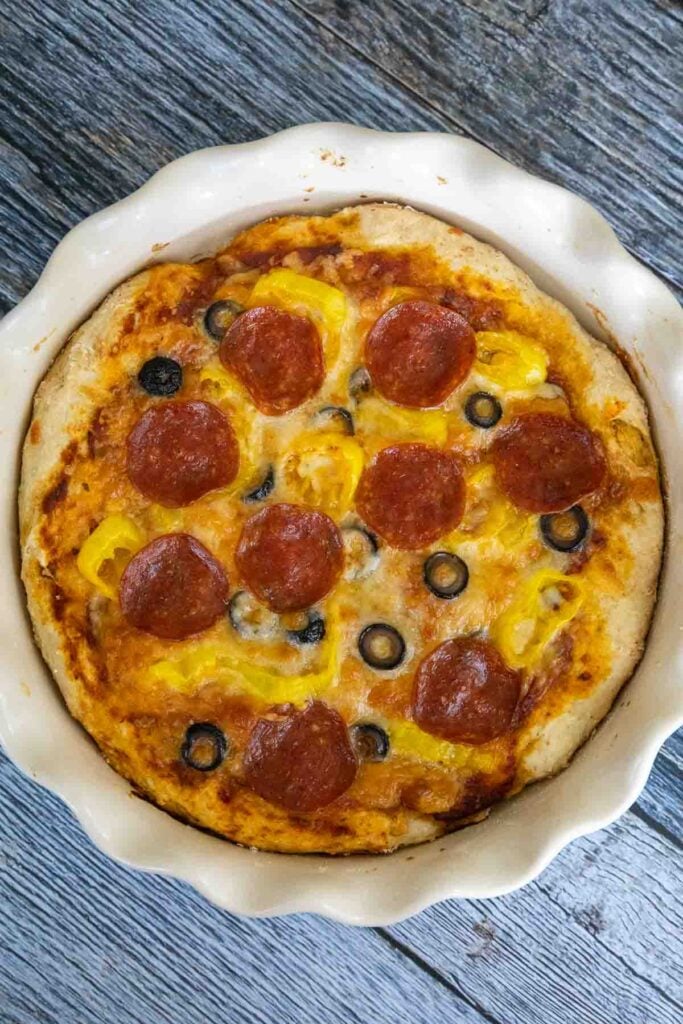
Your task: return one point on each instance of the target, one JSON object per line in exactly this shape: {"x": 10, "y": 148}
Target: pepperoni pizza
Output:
{"x": 337, "y": 538}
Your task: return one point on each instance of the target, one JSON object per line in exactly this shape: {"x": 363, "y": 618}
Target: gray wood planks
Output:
{"x": 595, "y": 938}
{"x": 583, "y": 93}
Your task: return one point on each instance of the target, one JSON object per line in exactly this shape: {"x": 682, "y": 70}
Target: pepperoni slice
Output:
{"x": 290, "y": 556}
{"x": 173, "y": 588}
{"x": 178, "y": 451}
{"x": 301, "y": 760}
{"x": 546, "y": 463}
{"x": 411, "y": 494}
{"x": 276, "y": 355}
{"x": 418, "y": 352}
{"x": 464, "y": 692}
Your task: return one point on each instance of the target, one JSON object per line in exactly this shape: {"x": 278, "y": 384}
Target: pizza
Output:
{"x": 341, "y": 536}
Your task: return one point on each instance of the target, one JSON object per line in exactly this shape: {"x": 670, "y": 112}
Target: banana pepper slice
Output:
{"x": 542, "y": 606}
{"x": 325, "y": 305}
{"x": 114, "y": 534}
{"x": 488, "y": 514}
{"x": 510, "y": 359}
{"x": 409, "y": 740}
{"x": 226, "y": 664}
{"x": 323, "y": 470}
{"x": 374, "y": 415}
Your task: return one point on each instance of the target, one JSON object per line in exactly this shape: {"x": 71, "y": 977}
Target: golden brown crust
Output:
{"x": 73, "y": 474}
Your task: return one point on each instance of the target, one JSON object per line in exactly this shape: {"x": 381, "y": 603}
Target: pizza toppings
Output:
{"x": 483, "y": 410}
{"x": 381, "y": 646}
{"x": 276, "y": 355}
{"x": 205, "y": 747}
{"x": 542, "y": 605}
{"x": 179, "y": 451}
{"x": 250, "y": 619}
{"x": 546, "y": 463}
{"x": 219, "y": 317}
{"x": 510, "y": 359}
{"x": 411, "y": 494}
{"x": 253, "y": 621}
{"x": 312, "y": 632}
{"x": 464, "y": 692}
{"x": 361, "y": 552}
{"x": 110, "y": 538}
{"x": 173, "y": 588}
{"x": 286, "y": 289}
{"x": 359, "y": 383}
{"x": 335, "y": 416}
{"x": 417, "y": 353}
{"x": 262, "y": 490}
{"x": 565, "y": 531}
{"x": 289, "y": 556}
{"x": 370, "y": 742}
{"x": 322, "y": 470}
{"x": 161, "y": 376}
{"x": 300, "y": 760}
{"x": 329, "y": 658}
{"x": 445, "y": 574}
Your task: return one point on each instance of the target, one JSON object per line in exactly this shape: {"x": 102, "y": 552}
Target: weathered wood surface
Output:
{"x": 94, "y": 97}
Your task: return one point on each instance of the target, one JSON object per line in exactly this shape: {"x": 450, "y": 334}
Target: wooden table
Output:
{"x": 95, "y": 97}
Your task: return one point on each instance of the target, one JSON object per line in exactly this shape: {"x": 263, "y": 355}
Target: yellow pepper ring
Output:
{"x": 510, "y": 359}
{"x": 376, "y": 416}
{"x": 323, "y": 470}
{"x": 499, "y": 517}
{"x": 409, "y": 740}
{"x": 542, "y": 606}
{"x": 228, "y": 664}
{"x": 113, "y": 534}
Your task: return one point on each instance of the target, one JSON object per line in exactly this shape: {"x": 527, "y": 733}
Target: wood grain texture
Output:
{"x": 95, "y": 96}
{"x": 82, "y": 939}
{"x": 88, "y": 941}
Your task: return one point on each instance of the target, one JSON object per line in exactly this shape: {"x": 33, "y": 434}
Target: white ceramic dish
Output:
{"x": 189, "y": 209}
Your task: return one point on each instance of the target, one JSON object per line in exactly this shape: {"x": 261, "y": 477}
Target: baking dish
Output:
{"x": 188, "y": 210}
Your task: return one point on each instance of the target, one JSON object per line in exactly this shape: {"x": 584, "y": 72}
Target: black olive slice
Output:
{"x": 312, "y": 633}
{"x": 205, "y": 747}
{"x": 261, "y": 492}
{"x": 483, "y": 410}
{"x": 161, "y": 376}
{"x": 381, "y": 646}
{"x": 446, "y": 575}
{"x": 250, "y": 619}
{"x": 360, "y": 383}
{"x": 219, "y": 317}
{"x": 565, "y": 531}
{"x": 335, "y": 414}
{"x": 370, "y": 742}
{"x": 361, "y": 552}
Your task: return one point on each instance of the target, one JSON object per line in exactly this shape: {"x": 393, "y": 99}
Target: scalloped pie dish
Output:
{"x": 338, "y": 526}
